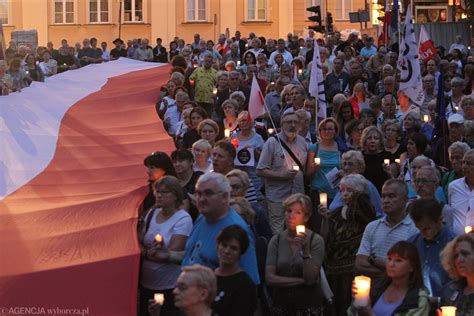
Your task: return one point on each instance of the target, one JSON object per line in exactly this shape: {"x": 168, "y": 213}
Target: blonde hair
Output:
{"x": 204, "y": 278}
{"x": 369, "y": 131}
{"x": 329, "y": 120}
{"x": 300, "y": 198}
{"x": 242, "y": 176}
{"x": 246, "y": 210}
{"x": 447, "y": 255}
{"x": 209, "y": 122}
{"x": 202, "y": 143}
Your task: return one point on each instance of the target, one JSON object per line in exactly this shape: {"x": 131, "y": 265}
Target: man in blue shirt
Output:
{"x": 369, "y": 49}
{"x": 212, "y": 198}
{"x": 430, "y": 241}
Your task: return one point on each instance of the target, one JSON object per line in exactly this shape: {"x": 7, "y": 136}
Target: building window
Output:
{"x": 4, "y": 10}
{"x": 133, "y": 10}
{"x": 256, "y": 10}
{"x": 311, "y": 3}
{"x": 343, "y": 7}
{"x": 64, "y": 11}
{"x": 197, "y": 10}
{"x": 98, "y": 11}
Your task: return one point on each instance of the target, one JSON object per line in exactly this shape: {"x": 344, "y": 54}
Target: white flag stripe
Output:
{"x": 316, "y": 82}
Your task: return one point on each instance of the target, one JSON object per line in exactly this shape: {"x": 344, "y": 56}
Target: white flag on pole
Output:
{"x": 409, "y": 63}
{"x": 256, "y": 100}
{"x": 316, "y": 82}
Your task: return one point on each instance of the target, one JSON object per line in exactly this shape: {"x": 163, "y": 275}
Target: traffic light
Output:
{"x": 316, "y": 18}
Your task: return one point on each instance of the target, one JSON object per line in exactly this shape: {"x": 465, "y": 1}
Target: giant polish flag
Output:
{"x": 71, "y": 180}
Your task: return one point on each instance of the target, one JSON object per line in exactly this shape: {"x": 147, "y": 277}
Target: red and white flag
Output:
{"x": 256, "y": 101}
{"x": 426, "y": 48}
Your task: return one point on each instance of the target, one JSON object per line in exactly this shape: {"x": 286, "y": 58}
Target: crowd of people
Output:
{"x": 280, "y": 213}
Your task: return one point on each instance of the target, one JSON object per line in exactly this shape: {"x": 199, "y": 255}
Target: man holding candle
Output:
{"x": 381, "y": 234}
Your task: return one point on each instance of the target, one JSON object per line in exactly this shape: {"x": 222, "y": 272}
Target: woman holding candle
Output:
{"x": 402, "y": 291}
{"x": 294, "y": 262}
{"x": 160, "y": 255}
{"x": 458, "y": 261}
{"x": 230, "y": 108}
{"x": 373, "y": 148}
{"x": 330, "y": 157}
{"x": 412, "y": 123}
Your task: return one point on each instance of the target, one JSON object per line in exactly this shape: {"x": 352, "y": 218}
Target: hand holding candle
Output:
{"x": 426, "y": 118}
{"x": 226, "y": 133}
{"x": 386, "y": 161}
{"x": 159, "y": 298}
{"x": 362, "y": 283}
{"x": 296, "y": 168}
{"x": 397, "y": 161}
{"x": 448, "y": 310}
{"x": 317, "y": 161}
{"x": 300, "y": 229}
{"x": 270, "y": 131}
{"x": 158, "y": 238}
{"x": 323, "y": 200}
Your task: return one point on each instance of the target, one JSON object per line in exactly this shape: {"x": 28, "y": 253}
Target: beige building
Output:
{"x": 75, "y": 20}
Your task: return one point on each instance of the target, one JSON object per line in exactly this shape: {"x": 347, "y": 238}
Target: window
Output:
{"x": 311, "y": 3}
{"x": 343, "y": 7}
{"x": 256, "y": 10}
{"x": 133, "y": 10}
{"x": 4, "y": 12}
{"x": 98, "y": 11}
{"x": 63, "y": 11}
{"x": 196, "y": 10}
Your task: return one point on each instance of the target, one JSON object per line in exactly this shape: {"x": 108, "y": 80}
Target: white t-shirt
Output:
{"x": 163, "y": 276}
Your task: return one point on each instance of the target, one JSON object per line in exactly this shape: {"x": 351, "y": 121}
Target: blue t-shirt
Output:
{"x": 201, "y": 245}
{"x": 382, "y": 308}
{"x": 329, "y": 160}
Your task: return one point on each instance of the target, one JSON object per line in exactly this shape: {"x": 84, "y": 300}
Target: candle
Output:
{"x": 397, "y": 161}
{"x": 386, "y": 161}
{"x": 246, "y": 45}
{"x": 317, "y": 160}
{"x": 272, "y": 83}
{"x": 270, "y": 131}
{"x": 426, "y": 118}
{"x": 323, "y": 199}
{"x": 363, "y": 289}
{"x": 301, "y": 47}
{"x": 300, "y": 72}
{"x": 467, "y": 229}
{"x": 296, "y": 168}
{"x": 226, "y": 133}
{"x": 214, "y": 91}
{"x": 159, "y": 298}
{"x": 238, "y": 62}
{"x": 158, "y": 238}
{"x": 448, "y": 310}
{"x": 300, "y": 229}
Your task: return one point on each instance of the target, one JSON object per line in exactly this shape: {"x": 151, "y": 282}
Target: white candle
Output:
{"x": 270, "y": 131}
{"x": 467, "y": 229}
{"x": 214, "y": 91}
{"x": 426, "y": 118}
{"x": 448, "y": 310}
{"x": 300, "y": 72}
{"x": 386, "y": 161}
{"x": 317, "y": 161}
{"x": 238, "y": 62}
{"x": 323, "y": 199}
{"x": 226, "y": 133}
{"x": 272, "y": 83}
{"x": 300, "y": 229}
{"x": 296, "y": 168}
{"x": 363, "y": 290}
{"x": 397, "y": 161}
{"x": 159, "y": 298}
{"x": 158, "y": 238}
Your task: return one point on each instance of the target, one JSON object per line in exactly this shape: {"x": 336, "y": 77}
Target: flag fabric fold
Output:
{"x": 426, "y": 48}
{"x": 409, "y": 65}
{"x": 316, "y": 82}
{"x": 256, "y": 100}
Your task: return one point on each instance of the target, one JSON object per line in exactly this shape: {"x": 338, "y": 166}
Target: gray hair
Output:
{"x": 456, "y": 81}
{"x": 220, "y": 180}
{"x": 357, "y": 157}
{"x": 416, "y": 117}
{"x": 458, "y": 145}
{"x": 357, "y": 182}
{"x": 222, "y": 73}
{"x": 239, "y": 94}
{"x": 427, "y": 161}
{"x": 433, "y": 172}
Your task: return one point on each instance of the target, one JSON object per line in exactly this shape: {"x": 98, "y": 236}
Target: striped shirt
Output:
{"x": 379, "y": 236}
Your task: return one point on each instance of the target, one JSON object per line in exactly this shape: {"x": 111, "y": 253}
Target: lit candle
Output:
{"x": 300, "y": 229}
{"x": 246, "y": 45}
{"x": 226, "y": 133}
{"x": 238, "y": 62}
{"x": 195, "y": 66}
{"x": 363, "y": 290}
{"x": 159, "y": 298}
{"x": 272, "y": 83}
{"x": 397, "y": 161}
{"x": 214, "y": 91}
{"x": 323, "y": 199}
{"x": 448, "y": 310}
{"x": 300, "y": 72}
{"x": 301, "y": 47}
{"x": 270, "y": 131}
{"x": 386, "y": 161}
{"x": 317, "y": 160}
{"x": 467, "y": 229}
{"x": 158, "y": 238}
{"x": 426, "y": 118}
{"x": 296, "y": 168}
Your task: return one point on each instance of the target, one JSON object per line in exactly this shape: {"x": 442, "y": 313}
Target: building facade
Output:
{"x": 75, "y": 20}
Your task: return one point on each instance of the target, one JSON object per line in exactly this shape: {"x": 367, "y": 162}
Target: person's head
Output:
{"x": 30, "y": 60}
{"x": 356, "y": 69}
{"x": 328, "y": 128}
{"x": 249, "y": 58}
{"x": 158, "y": 164}
{"x": 367, "y": 117}
{"x": 389, "y": 106}
{"x": 359, "y": 91}
{"x": 239, "y": 98}
{"x": 456, "y": 153}
{"x": 232, "y": 242}
{"x": 431, "y": 66}
{"x": 392, "y": 58}
{"x": 338, "y": 64}
{"x": 298, "y": 95}
{"x": 403, "y": 263}
{"x": 353, "y": 162}
{"x": 346, "y": 112}
{"x": 372, "y": 140}
{"x": 222, "y": 79}
{"x": 297, "y": 210}
{"x": 208, "y": 60}
{"x": 457, "y": 86}
{"x": 281, "y": 45}
{"x": 244, "y": 121}
{"x": 412, "y": 121}
{"x": 168, "y": 192}
{"x": 426, "y": 213}
{"x": 197, "y": 115}
{"x": 389, "y": 84}
{"x": 387, "y": 70}
{"x": 234, "y": 80}
{"x": 230, "y": 108}
{"x": 429, "y": 83}
{"x": 416, "y": 144}
{"x": 456, "y": 127}
{"x": 391, "y": 129}
{"x": 243, "y": 208}
{"x": 212, "y": 195}
{"x": 201, "y": 150}
{"x": 93, "y": 42}
{"x": 178, "y": 78}
{"x": 181, "y": 98}
{"x": 394, "y": 197}
{"x": 468, "y": 166}
{"x": 289, "y": 124}
{"x": 352, "y": 183}
{"x": 426, "y": 180}
{"x": 304, "y": 118}
{"x": 467, "y": 105}
{"x": 223, "y": 155}
{"x": 354, "y": 129}
{"x": 239, "y": 182}
{"x": 196, "y": 287}
{"x": 208, "y": 130}
{"x": 468, "y": 132}
{"x": 457, "y": 257}
{"x": 182, "y": 160}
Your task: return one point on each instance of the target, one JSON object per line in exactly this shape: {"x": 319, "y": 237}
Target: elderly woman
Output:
{"x": 456, "y": 152}
{"x": 353, "y": 163}
{"x": 402, "y": 291}
{"x": 412, "y": 123}
{"x": 336, "y": 104}
{"x": 454, "y": 102}
{"x": 208, "y": 130}
{"x": 458, "y": 261}
{"x": 294, "y": 262}
{"x": 202, "y": 156}
{"x": 236, "y": 292}
{"x": 160, "y": 266}
{"x": 346, "y": 224}
{"x": 392, "y": 130}
{"x": 373, "y": 147}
